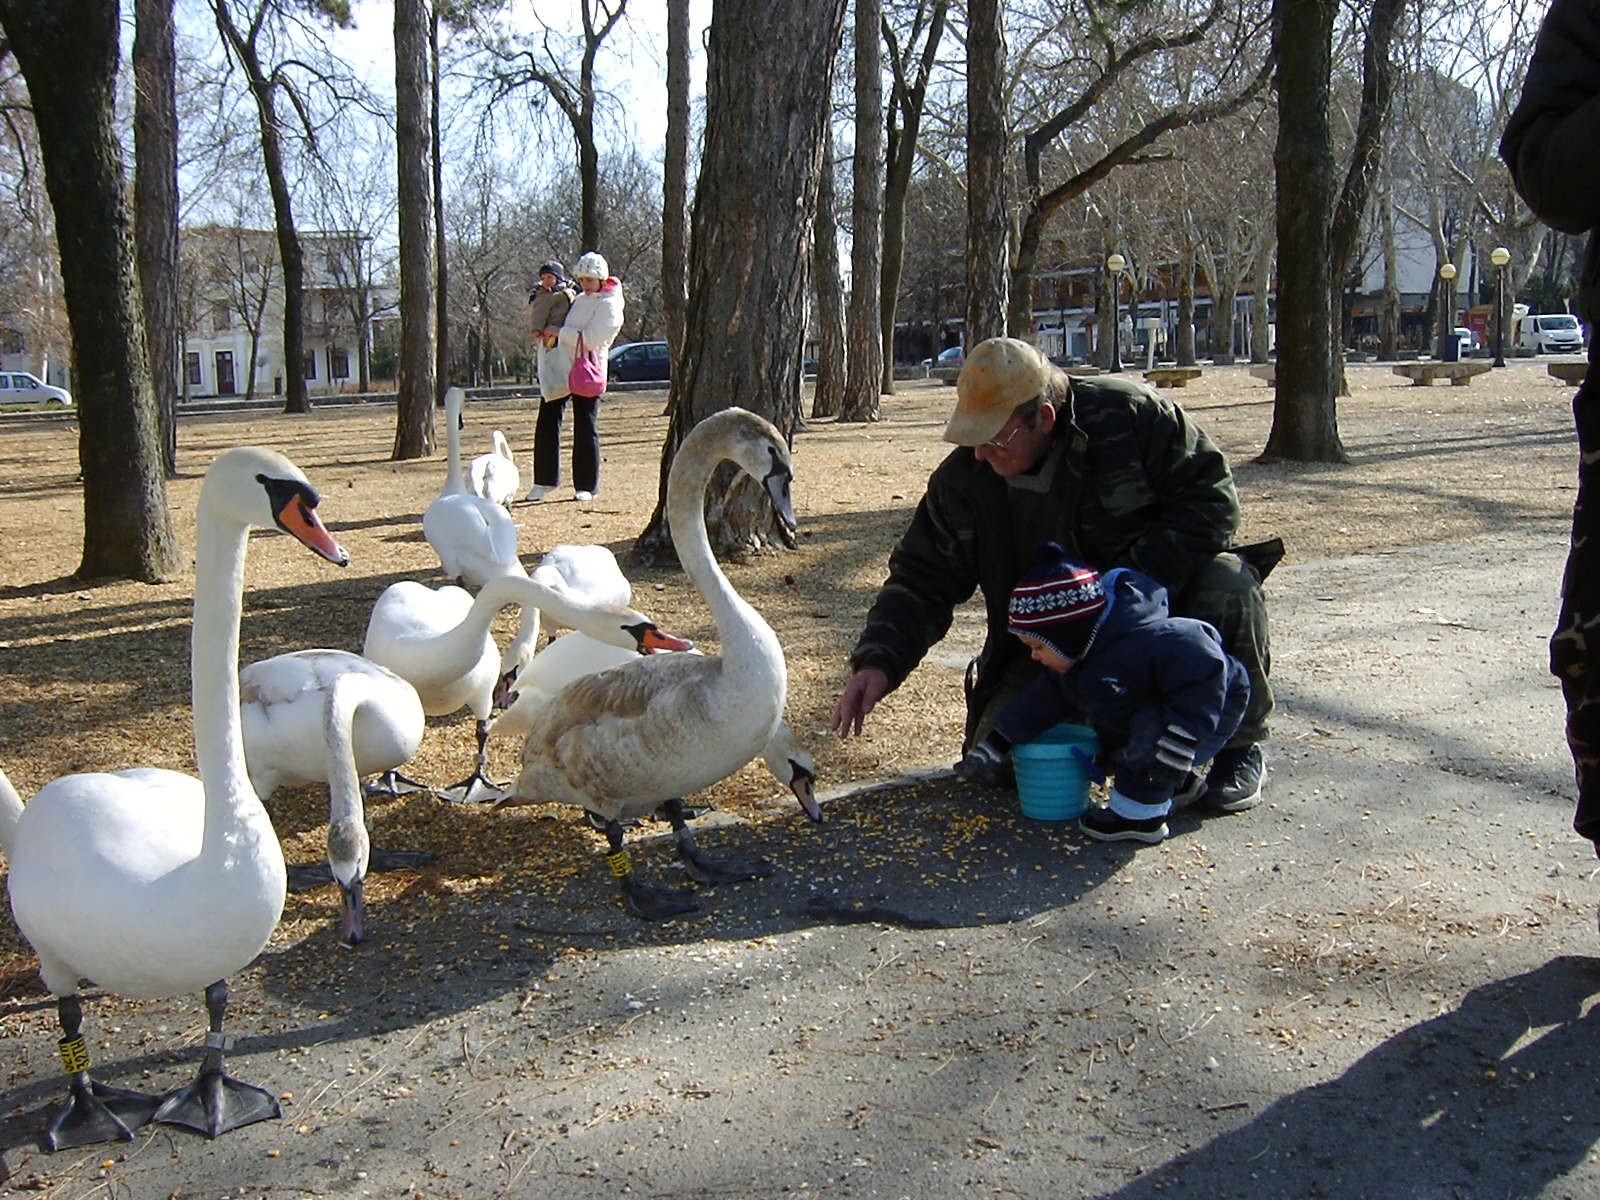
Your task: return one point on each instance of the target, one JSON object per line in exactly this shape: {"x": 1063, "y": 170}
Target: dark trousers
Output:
{"x": 1575, "y": 644}
{"x": 585, "y": 443}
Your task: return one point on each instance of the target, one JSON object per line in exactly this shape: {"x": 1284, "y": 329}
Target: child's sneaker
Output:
{"x": 537, "y": 492}
{"x": 1106, "y": 826}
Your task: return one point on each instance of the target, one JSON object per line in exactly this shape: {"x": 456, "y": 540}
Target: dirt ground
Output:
{"x": 517, "y": 910}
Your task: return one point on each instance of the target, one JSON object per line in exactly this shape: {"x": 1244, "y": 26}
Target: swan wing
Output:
{"x": 475, "y": 539}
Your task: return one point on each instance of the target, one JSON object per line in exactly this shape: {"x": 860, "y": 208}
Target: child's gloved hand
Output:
{"x": 986, "y": 760}
{"x": 1173, "y": 759}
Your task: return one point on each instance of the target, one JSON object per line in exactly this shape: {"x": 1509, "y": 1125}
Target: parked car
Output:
{"x": 19, "y": 387}
{"x": 1551, "y": 333}
{"x": 1467, "y": 339}
{"x": 953, "y": 356}
{"x": 635, "y": 361}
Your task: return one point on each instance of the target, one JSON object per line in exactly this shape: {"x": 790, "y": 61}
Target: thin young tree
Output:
{"x": 988, "y": 224}
{"x": 155, "y": 206}
{"x": 675, "y": 180}
{"x": 864, "y": 348}
{"x": 414, "y": 427}
{"x": 127, "y": 529}
{"x": 749, "y": 255}
{"x": 827, "y": 391}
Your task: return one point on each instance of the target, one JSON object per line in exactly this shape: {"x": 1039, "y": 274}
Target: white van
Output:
{"x": 18, "y": 387}
{"x": 1551, "y": 333}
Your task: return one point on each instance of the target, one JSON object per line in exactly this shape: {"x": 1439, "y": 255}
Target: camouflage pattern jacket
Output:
{"x": 1132, "y": 482}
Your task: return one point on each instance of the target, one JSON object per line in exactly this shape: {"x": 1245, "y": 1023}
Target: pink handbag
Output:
{"x": 588, "y": 374}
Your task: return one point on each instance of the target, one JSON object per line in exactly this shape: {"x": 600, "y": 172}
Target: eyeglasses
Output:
{"x": 1002, "y": 443}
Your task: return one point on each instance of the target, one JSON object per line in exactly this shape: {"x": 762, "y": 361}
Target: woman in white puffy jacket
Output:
{"x": 596, "y": 318}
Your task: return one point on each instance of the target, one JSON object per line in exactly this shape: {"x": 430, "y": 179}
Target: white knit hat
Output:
{"x": 591, "y": 266}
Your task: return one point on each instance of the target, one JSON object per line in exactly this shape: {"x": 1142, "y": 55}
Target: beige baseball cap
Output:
{"x": 999, "y": 376}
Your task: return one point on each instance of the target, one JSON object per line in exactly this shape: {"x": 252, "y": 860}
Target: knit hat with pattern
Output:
{"x": 1059, "y": 601}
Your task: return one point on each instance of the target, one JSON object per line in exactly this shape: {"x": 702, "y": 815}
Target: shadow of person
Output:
{"x": 1496, "y": 1098}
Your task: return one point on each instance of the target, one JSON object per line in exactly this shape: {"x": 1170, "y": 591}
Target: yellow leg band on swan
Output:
{"x": 620, "y": 864}
{"x": 74, "y": 1055}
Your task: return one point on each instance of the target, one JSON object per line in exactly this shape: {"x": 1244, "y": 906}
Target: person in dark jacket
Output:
{"x": 1110, "y": 469}
{"x": 1552, "y": 145}
{"x": 1159, "y": 690}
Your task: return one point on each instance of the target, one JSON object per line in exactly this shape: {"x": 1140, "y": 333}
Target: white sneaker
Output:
{"x": 584, "y": 496}
{"x": 537, "y": 492}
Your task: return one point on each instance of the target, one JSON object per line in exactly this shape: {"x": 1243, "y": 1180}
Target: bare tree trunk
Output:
{"x": 1261, "y": 322}
{"x": 988, "y": 257}
{"x": 155, "y": 184}
{"x": 675, "y": 181}
{"x": 750, "y": 254}
{"x": 1304, "y": 428}
{"x": 127, "y": 530}
{"x": 827, "y": 394}
{"x": 264, "y": 91}
{"x": 864, "y": 353}
{"x": 441, "y": 260}
{"x": 1184, "y": 351}
{"x": 413, "y": 435}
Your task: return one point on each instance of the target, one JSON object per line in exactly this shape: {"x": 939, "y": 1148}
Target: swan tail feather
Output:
{"x": 10, "y": 812}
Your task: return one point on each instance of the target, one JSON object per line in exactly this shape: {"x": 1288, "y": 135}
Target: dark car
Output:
{"x": 635, "y": 361}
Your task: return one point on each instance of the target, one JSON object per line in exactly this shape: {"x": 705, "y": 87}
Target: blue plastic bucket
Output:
{"x": 1052, "y": 781}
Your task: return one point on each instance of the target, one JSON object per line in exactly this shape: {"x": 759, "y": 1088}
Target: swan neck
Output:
{"x": 686, "y": 519}
{"x": 454, "y": 480}
{"x": 214, "y": 670}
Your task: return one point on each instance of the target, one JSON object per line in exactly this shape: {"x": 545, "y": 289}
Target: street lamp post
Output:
{"x": 1447, "y": 322}
{"x": 1114, "y": 264}
{"x": 1500, "y": 256}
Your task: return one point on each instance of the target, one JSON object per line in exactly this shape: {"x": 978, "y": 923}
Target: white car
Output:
{"x": 1552, "y": 333}
{"x": 19, "y": 387}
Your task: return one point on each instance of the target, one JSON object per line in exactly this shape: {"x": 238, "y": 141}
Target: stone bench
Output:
{"x": 1266, "y": 371}
{"x": 948, "y": 374}
{"x": 1422, "y": 374}
{"x": 1568, "y": 372}
{"x": 1172, "y": 376}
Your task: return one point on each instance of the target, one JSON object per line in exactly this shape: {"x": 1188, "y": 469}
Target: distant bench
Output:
{"x": 1172, "y": 376}
{"x": 1423, "y": 374}
{"x": 948, "y": 374}
{"x": 1267, "y": 371}
{"x": 1568, "y": 372}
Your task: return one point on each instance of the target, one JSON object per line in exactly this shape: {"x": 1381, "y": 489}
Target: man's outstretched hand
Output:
{"x": 861, "y": 695}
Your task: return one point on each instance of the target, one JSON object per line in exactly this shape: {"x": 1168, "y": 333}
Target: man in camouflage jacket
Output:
{"x": 1111, "y": 470}
{"x": 1552, "y": 145}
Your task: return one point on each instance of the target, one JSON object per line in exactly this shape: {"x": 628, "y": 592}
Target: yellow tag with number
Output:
{"x": 74, "y": 1055}
{"x": 620, "y": 865}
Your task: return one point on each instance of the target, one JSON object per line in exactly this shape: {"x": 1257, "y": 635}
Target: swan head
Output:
{"x": 756, "y": 445}
{"x": 792, "y": 763}
{"x": 650, "y": 638}
{"x": 252, "y": 485}
{"x": 349, "y": 848}
{"x": 455, "y": 400}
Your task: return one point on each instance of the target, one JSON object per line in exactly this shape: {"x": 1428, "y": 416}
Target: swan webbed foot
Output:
{"x": 703, "y": 868}
{"x": 96, "y": 1112}
{"x": 379, "y": 861}
{"x": 476, "y": 788}
{"x": 215, "y": 1103}
{"x": 656, "y": 904}
{"x": 394, "y": 783}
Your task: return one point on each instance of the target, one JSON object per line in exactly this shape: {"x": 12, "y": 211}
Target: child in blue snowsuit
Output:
{"x": 1160, "y": 691}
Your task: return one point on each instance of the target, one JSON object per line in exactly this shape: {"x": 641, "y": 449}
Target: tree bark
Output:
{"x": 827, "y": 393}
{"x": 441, "y": 258}
{"x": 1304, "y": 427}
{"x": 864, "y": 352}
{"x": 127, "y": 530}
{"x": 263, "y": 90}
{"x": 675, "y": 181}
{"x": 155, "y": 184}
{"x": 906, "y": 102}
{"x": 749, "y": 257}
{"x": 413, "y": 437}
{"x": 1184, "y": 350}
{"x": 988, "y": 256}
{"x": 1261, "y": 322}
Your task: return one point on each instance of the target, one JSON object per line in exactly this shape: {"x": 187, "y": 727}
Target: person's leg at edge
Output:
{"x": 586, "y": 443}
{"x": 1575, "y": 644}
{"x": 1227, "y": 593}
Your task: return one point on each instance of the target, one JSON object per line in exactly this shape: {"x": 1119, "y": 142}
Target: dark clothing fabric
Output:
{"x": 1131, "y": 482}
{"x": 1552, "y": 141}
{"x": 1145, "y": 672}
{"x": 585, "y": 443}
{"x": 1552, "y": 145}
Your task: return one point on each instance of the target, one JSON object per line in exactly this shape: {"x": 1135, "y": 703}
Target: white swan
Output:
{"x": 328, "y": 716}
{"x": 439, "y": 642}
{"x": 647, "y": 733}
{"x": 574, "y": 655}
{"x": 495, "y": 476}
{"x": 475, "y": 539}
{"x": 591, "y": 571}
{"x": 151, "y": 882}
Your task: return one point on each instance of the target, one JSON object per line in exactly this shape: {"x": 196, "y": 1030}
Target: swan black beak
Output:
{"x": 352, "y": 913}
{"x": 804, "y": 787}
{"x": 777, "y": 485}
{"x": 505, "y": 691}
